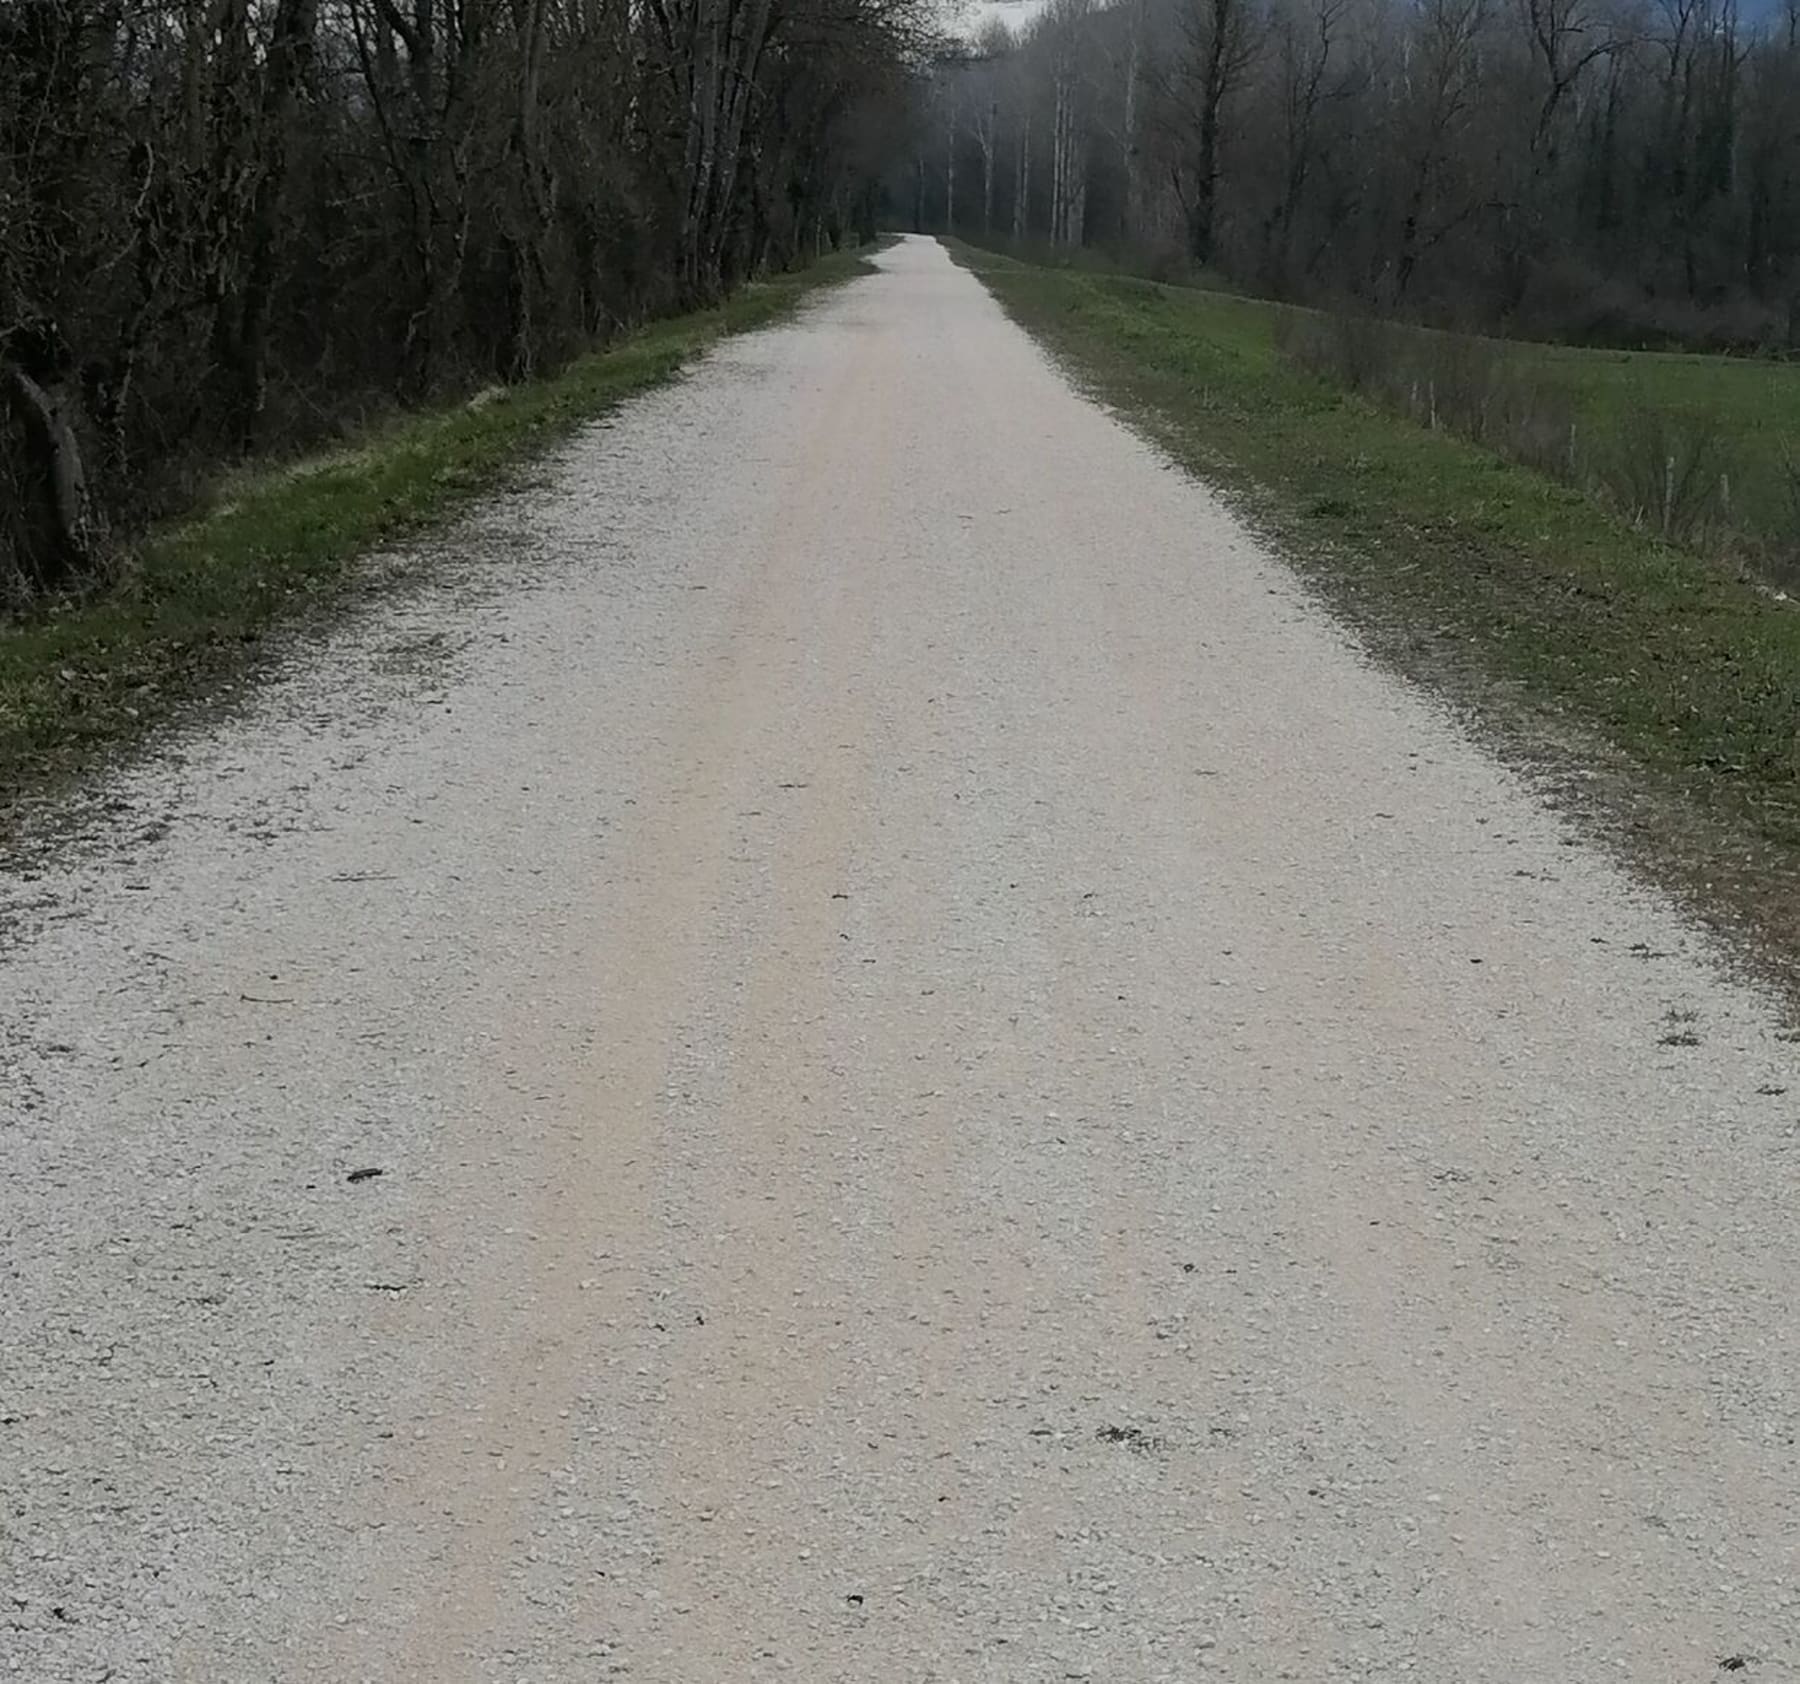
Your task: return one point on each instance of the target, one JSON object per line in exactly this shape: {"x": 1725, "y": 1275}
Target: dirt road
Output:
{"x": 961, "y": 1092}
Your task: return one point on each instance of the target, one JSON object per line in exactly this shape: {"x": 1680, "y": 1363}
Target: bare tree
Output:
{"x": 1570, "y": 166}
{"x": 1220, "y": 41}
{"x": 1435, "y": 101}
{"x": 1304, "y": 41}
{"x": 233, "y": 223}
{"x": 1064, "y": 29}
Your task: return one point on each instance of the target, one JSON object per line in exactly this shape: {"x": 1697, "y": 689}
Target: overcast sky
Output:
{"x": 1014, "y": 13}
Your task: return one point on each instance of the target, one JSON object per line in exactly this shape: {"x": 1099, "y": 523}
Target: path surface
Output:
{"x": 963, "y": 1093}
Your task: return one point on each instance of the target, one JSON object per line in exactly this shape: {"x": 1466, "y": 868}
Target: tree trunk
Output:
{"x": 1021, "y": 214}
{"x": 47, "y": 415}
{"x": 1222, "y": 58}
{"x": 530, "y": 215}
{"x": 1129, "y": 209}
{"x": 290, "y": 47}
{"x": 1061, "y": 156}
{"x": 730, "y": 38}
{"x": 1202, "y": 212}
{"x": 950, "y": 176}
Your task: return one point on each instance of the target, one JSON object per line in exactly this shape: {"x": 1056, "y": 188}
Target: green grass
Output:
{"x": 275, "y": 545}
{"x": 1752, "y": 405}
{"x": 1561, "y": 623}
{"x": 1172, "y": 267}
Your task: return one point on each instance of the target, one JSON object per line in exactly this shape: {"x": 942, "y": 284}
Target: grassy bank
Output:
{"x": 1704, "y": 451}
{"x": 1610, "y": 421}
{"x": 1665, "y": 687}
{"x": 1747, "y": 408}
{"x": 276, "y": 545}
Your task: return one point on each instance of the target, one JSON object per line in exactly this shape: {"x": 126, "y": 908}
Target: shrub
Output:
{"x": 1666, "y": 472}
{"x": 1477, "y": 388}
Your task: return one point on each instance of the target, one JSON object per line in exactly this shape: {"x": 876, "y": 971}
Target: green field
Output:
{"x": 1750, "y": 405}
{"x": 275, "y": 545}
{"x": 1663, "y": 686}
{"x": 1747, "y": 408}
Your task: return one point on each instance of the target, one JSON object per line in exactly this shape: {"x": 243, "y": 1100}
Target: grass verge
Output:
{"x": 1604, "y": 419}
{"x": 276, "y": 545}
{"x": 1661, "y": 694}
{"x": 1749, "y": 407}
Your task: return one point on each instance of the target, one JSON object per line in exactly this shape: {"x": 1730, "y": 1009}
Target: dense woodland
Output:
{"x": 1604, "y": 170}
{"x": 233, "y": 225}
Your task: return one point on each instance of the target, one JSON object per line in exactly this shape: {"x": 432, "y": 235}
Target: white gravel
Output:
{"x": 964, "y": 1093}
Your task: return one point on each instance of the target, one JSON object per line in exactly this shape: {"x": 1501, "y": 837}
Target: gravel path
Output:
{"x": 962, "y": 1092}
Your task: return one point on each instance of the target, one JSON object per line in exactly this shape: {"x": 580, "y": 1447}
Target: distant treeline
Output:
{"x": 234, "y": 224}
{"x": 1599, "y": 170}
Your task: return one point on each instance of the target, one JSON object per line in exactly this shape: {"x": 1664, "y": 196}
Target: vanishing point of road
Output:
{"x": 856, "y": 1045}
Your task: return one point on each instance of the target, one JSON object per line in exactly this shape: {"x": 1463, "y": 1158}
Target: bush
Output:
{"x": 1477, "y": 388}
{"x": 1666, "y": 473}
{"x": 1355, "y": 352}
